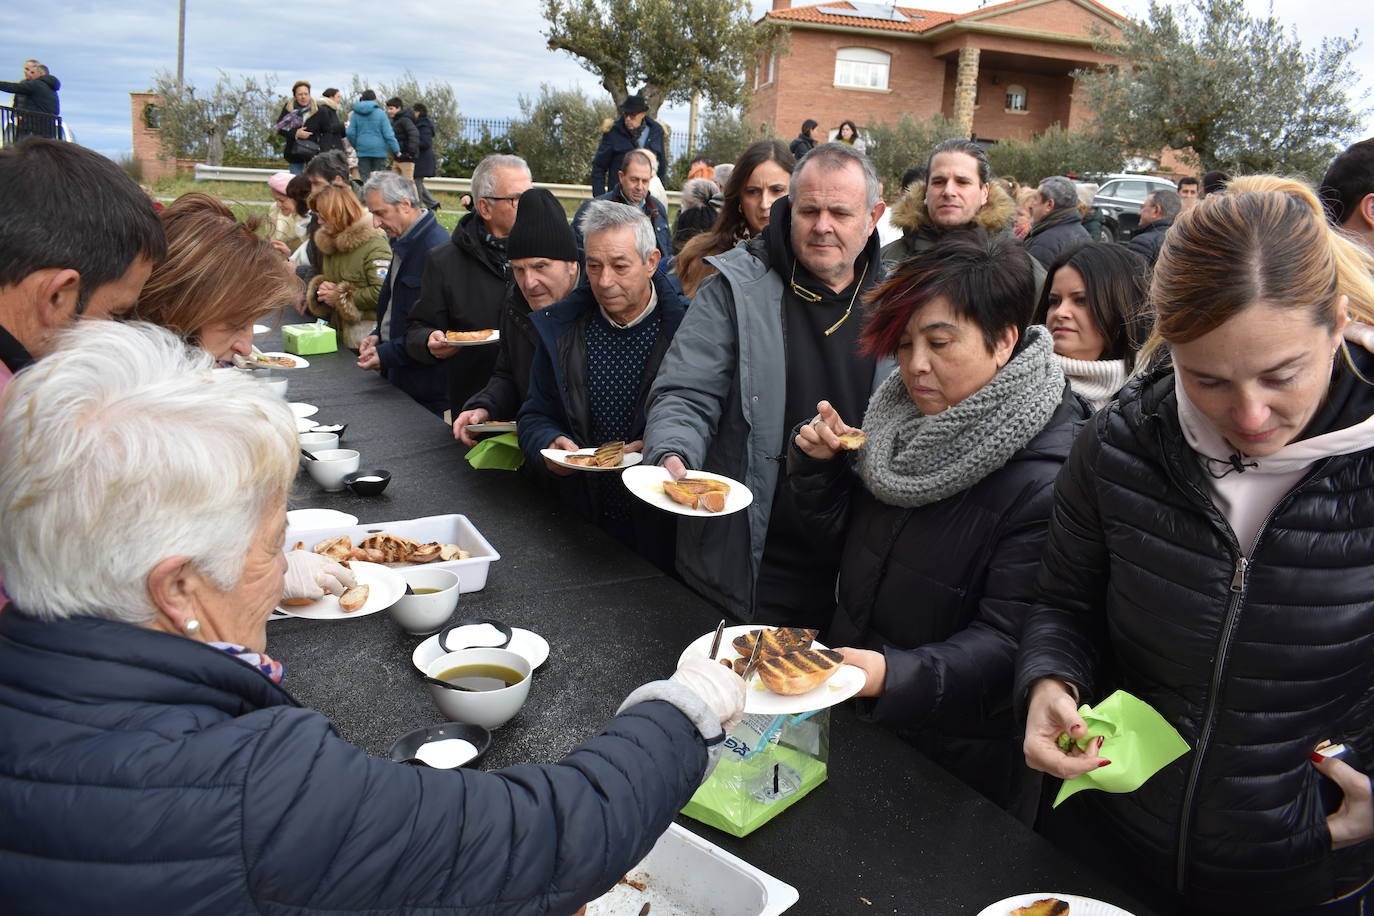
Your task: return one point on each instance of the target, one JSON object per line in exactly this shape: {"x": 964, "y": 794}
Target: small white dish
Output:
{"x": 646, "y": 482}
{"x": 560, "y": 456}
{"x": 487, "y": 708}
{"x": 305, "y": 519}
{"x": 313, "y": 442}
{"x": 260, "y": 329}
{"x": 531, "y": 645}
{"x": 331, "y": 466}
{"x": 302, "y": 410}
{"x": 419, "y": 614}
{"x": 385, "y": 586}
{"x": 298, "y": 362}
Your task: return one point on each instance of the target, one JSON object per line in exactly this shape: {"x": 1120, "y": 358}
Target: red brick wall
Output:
{"x": 1060, "y": 16}
{"x": 147, "y": 146}
{"x": 1047, "y": 103}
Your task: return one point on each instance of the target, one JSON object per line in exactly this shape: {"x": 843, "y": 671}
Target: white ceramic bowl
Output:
{"x": 319, "y": 442}
{"x": 331, "y": 466}
{"x": 275, "y": 385}
{"x": 488, "y": 708}
{"x": 420, "y": 615}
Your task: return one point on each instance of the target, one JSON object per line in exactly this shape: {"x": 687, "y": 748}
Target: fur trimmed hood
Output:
{"x": 909, "y": 214}
{"x": 348, "y": 239}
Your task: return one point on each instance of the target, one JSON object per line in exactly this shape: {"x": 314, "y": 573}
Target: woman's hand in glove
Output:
{"x": 310, "y": 575}
{"x": 720, "y": 688}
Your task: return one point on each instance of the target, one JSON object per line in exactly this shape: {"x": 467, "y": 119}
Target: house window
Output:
{"x": 1016, "y": 98}
{"x": 766, "y": 71}
{"x": 862, "y": 68}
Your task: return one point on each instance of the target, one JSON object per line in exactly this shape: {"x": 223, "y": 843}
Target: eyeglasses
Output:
{"x": 513, "y": 198}
{"x": 806, "y": 295}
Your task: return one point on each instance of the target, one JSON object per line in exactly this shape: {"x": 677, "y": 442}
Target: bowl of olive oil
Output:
{"x": 428, "y": 602}
{"x": 485, "y": 687}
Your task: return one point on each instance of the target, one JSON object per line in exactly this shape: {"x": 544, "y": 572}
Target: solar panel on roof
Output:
{"x": 884, "y": 11}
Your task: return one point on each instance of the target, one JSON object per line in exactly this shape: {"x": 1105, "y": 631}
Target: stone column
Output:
{"x": 965, "y": 85}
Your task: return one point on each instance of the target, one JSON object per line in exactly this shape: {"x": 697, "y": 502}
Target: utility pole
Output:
{"x": 181, "y": 41}
{"x": 692, "y": 124}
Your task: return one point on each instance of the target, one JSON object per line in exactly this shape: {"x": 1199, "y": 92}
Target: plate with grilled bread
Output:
{"x": 1051, "y": 904}
{"x": 378, "y": 588}
{"x": 698, "y": 493}
{"x": 609, "y": 457}
{"x": 472, "y": 338}
{"x": 795, "y": 673}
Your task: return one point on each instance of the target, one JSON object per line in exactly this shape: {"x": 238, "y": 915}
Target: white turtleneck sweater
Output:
{"x": 1247, "y": 497}
{"x": 1098, "y": 380}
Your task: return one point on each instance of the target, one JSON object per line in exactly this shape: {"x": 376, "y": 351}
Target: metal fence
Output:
{"x": 477, "y": 129}
{"x": 16, "y": 123}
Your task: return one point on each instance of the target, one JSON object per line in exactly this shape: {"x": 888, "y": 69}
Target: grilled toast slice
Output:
{"x": 799, "y": 671}
{"x": 697, "y": 493}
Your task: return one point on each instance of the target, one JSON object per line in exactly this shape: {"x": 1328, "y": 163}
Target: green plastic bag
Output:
{"x": 500, "y": 453}
{"x": 1137, "y": 740}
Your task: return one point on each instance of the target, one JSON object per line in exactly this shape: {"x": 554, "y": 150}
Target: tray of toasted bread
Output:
{"x": 698, "y": 493}
{"x": 795, "y": 673}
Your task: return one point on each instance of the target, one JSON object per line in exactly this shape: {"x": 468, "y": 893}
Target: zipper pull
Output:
{"x": 1238, "y": 580}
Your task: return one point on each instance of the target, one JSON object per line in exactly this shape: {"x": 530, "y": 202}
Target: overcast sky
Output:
{"x": 492, "y": 51}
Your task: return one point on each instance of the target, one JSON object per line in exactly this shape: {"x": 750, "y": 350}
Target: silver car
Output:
{"x": 1120, "y": 198}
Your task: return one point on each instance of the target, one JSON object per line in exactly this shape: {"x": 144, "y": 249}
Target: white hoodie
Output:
{"x": 1246, "y": 497}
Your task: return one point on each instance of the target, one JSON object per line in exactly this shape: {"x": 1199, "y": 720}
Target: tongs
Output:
{"x": 754, "y": 660}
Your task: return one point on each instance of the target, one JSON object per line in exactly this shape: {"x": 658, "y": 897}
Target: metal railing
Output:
{"x": 18, "y": 122}
{"x": 454, "y": 185}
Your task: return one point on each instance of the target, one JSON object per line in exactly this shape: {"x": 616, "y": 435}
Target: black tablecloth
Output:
{"x": 889, "y": 832}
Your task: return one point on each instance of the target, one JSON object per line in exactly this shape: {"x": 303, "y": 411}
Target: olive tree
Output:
{"x": 557, "y": 133}
{"x": 236, "y": 119}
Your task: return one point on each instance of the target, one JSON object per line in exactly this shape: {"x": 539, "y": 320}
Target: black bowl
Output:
{"x": 367, "y": 487}
{"x": 504, "y": 628}
{"x": 403, "y": 750}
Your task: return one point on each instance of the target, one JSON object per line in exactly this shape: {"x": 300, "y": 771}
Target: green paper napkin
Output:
{"x": 1137, "y": 740}
{"x": 500, "y": 453}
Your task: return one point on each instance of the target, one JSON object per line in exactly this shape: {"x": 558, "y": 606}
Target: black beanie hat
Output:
{"x": 541, "y": 229}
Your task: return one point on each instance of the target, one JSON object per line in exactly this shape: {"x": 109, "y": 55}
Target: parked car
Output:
{"x": 1120, "y": 198}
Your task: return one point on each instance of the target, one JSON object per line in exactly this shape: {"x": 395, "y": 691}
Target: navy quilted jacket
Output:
{"x": 142, "y": 772}
{"x": 1143, "y": 588}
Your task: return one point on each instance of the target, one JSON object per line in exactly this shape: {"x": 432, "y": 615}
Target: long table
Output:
{"x": 889, "y": 832}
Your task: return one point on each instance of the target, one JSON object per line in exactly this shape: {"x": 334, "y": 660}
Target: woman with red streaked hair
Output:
{"x": 940, "y": 516}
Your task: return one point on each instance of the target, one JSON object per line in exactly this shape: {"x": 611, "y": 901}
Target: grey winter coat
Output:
{"x": 718, "y": 403}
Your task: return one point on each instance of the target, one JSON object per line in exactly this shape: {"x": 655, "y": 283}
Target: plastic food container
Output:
{"x": 308, "y": 339}
{"x": 684, "y": 875}
{"x": 445, "y": 529}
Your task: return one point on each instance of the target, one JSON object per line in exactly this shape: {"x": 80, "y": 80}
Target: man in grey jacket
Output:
{"x": 764, "y": 342}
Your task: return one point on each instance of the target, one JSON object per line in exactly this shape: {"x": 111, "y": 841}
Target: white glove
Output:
{"x": 310, "y": 575}
{"x": 720, "y": 688}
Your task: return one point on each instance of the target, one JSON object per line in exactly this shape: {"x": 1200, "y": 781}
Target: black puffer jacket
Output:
{"x": 943, "y": 588}
{"x": 509, "y": 384}
{"x": 407, "y": 135}
{"x": 1060, "y": 231}
{"x": 1143, "y": 588}
{"x": 1149, "y": 240}
{"x": 462, "y": 288}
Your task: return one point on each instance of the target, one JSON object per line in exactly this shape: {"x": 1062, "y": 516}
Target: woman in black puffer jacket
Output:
{"x": 1210, "y": 554}
{"x": 940, "y": 530}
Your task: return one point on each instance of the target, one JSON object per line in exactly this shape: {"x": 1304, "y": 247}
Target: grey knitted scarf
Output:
{"x": 913, "y": 460}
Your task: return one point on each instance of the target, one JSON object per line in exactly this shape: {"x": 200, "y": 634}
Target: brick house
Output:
{"x": 1002, "y": 71}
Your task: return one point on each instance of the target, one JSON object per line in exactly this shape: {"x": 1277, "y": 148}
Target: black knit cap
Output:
{"x": 634, "y": 104}
{"x": 541, "y": 229}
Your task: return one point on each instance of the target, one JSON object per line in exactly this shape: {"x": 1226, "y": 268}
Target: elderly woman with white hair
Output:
{"x": 151, "y": 762}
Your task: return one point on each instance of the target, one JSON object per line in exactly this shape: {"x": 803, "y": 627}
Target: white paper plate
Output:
{"x": 1078, "y": 906}
{"x": 531, "y": 645}
{"x": 846, "y": 682}
{"x": 303, "y": 410}
{"x": 494, "y": 338}
{"x": 300, "y": 361}
{"x": 646, "y": 482}
{"x": 306, "y": 519}
{"x": 385, "y": 587}
{"x": 260, "y": 329}
{"x": 492, "y": 427}
{"x": 560, "y": 456}
{"x": 304, "y": 426}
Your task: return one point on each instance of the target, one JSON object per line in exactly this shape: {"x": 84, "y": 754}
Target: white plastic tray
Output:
{"x": 684, "y": 875}
{"x": 445, "y": 529}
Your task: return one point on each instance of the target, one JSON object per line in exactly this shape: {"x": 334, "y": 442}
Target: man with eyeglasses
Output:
{"x": 465, "y": 279}
{"x": 768, "y": 339}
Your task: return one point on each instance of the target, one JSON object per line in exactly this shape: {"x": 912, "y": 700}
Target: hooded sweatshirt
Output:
{"x": 370, "y": 131}
{"x": 1246, "y": 489}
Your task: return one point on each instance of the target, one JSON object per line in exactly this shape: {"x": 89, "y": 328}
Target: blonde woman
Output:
{"x": 1210, "y": 554}
{"x": 354, "y": 259}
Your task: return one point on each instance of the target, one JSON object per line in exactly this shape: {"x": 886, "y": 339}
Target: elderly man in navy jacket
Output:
{"x": 598, "y": 352}
{"x": 413, "y": 230}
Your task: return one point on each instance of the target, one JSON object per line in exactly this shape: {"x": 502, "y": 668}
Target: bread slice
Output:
{"x": 697, "y": 493}
{"x": 853, "y": 441}
{"x": 1050, "y": 906}
{"x": 798, "y": 671}
{"x": 610, "y": 455}
{"x": 336, "y": 549}
{"x": 775, "y": 641}
{"x": 354, "y": 598}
